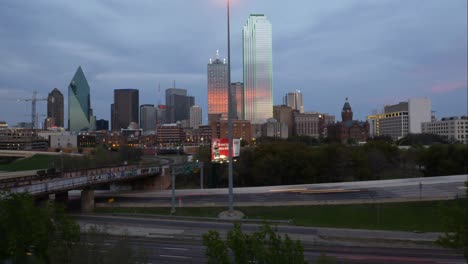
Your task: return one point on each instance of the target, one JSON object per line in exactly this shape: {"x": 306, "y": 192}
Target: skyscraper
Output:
{"x": 80, "y": 114}
{"x": 148, "y": 116}
{"x": 238, "y": 100}
{"x": 125, "y": 108}
{"x": 55, "y": 107}
{"x": 258, "y": 76}
{"x": 178, "y": 105}
{"x": 294, "y": 100}
{"x": 217, "y": 89}
{"x": 195, "y": 116}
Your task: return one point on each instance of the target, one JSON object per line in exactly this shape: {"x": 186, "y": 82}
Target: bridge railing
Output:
{"x": 76, "y": 181}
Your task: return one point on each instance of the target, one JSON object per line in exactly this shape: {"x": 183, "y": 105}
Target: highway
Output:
{"x": 170, "y": 241}
{"x": 431, "y": 188}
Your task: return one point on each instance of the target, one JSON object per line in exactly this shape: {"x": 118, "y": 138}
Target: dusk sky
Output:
{"x": 375, "y": 52}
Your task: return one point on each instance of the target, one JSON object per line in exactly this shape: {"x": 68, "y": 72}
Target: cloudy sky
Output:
{"x": 375, "y": 52}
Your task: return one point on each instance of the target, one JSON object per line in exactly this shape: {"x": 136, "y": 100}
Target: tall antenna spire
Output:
{"x": 159, "y": 93}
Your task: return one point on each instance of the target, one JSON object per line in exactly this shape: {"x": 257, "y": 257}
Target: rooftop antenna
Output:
{"x": 174, "y": 83}
{"x": 159, "y": 93}
{"x": 217, "y": 54}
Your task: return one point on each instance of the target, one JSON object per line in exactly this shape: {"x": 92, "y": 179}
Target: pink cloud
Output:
{"x": 447, "y": 87}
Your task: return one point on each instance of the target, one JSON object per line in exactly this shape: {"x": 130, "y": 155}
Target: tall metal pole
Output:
{"x": 231, "y": 196}
{"x": 173, "y": 191}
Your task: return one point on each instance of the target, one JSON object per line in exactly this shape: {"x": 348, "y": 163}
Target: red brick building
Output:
{"x": 348, "y": 128}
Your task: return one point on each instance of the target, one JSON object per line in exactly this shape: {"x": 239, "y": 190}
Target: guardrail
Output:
{"x": 77, "y": 181}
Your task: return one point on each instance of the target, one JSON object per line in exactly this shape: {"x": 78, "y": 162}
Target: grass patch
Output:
{"x": 36, "y": 162}
{"x": 409, "y": 216}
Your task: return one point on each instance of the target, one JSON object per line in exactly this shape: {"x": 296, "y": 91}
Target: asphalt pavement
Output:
{"x": 414, "y": 189}
{"x": 175, "y": 241}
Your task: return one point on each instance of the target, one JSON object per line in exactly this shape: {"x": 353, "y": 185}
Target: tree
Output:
{"x": 29, "y": 231}
{"x": 264, "y": 246}
{"x": 456, "y": 233}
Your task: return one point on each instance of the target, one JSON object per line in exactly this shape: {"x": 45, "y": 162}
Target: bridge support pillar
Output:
{"x": 42, "y": 201}
{"x": 87, "y": 201}
{"x": 61, "y": 197}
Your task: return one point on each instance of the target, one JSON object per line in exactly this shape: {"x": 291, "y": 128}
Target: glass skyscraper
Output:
{"x": 80, "y": 114}
{"x": 258, "y": 68}
{"x": 217, "y": 89}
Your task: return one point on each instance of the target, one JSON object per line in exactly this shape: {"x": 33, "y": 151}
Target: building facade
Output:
{"x": 195, "y": 116}
{"x": 80, "y": 114}
{"x": 275, "y": 129}
{"x": 217, "y": 88}
{"x": 401, "y": 119}
{"x": 55, "y": 108}
{"x": 178, "y": 105}
{"x": 240, "y": 129}
{"x": 284, "y": 114}
{"x": 307, "y": 124}
{"x": 294, "y": 100}
{"x": 124, "y": 110}
{"x": 169, "y": 134}
{"x": 148, "y": 118}
{"x": 238, "y": 100}
{"x": 348, "y": 129}
{"x": 102, "y": 125}
{"x": 258, "y": 69}
{"x": 454, "y": 129}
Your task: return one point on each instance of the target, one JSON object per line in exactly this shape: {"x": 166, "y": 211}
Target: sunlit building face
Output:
{"x": 217, "y": 88}
{"x": 258, "y": 79}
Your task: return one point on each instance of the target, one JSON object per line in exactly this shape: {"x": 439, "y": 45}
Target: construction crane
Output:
{"x": 33, "y": 100}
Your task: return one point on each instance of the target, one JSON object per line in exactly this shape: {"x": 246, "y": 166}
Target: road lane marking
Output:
{"x": 171, "y": 256}
{"x": 182, "y": 249}
{"x": 303, "y": 190}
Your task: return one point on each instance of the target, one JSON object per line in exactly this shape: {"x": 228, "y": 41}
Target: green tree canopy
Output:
{"x": 28, "y": 231}
{"x": 264, "y": 246}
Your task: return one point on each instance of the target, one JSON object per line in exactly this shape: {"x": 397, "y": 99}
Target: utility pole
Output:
{"x": 173, "y": 191}
{"x": 201, "y": 174}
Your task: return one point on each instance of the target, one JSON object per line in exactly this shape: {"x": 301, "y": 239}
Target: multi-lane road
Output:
{"x": 177, "y": 241}
{"x": 431, "y": 188}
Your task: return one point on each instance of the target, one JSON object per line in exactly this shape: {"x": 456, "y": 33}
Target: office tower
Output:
{"x": 284, "y": 114}
{"x": 257, "y": 60}
{"x": 178, "y": 105}
{"x": 238, "y": 100}
{"x": 400, "y": 119}
{"x": 102, "y": 124}
{"x": 148, "y": 116}
{"x": 454, "y": 129}
{"x": 80, "y": 114}
{"x": 125, "y": 108}
{"x": 217, "y": 89}
{"x": 55, "y": 107}
{"x": 195, "y": 116}
{"x": 294, "y": 100}
{"x": 161, "y": 114}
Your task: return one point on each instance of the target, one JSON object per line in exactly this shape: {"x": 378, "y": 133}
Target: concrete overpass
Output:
{"x": 42, "y": 185}
{"x": 25, "y": 154}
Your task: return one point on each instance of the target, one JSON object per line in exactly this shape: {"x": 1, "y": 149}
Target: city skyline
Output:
{"x": 373, "y": 53}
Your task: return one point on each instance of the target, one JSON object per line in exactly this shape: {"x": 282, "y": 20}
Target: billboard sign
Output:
{"x": 220, "y": 149}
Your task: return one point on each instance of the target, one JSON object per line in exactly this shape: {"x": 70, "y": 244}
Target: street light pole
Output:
{"x": 231, "y": 196}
